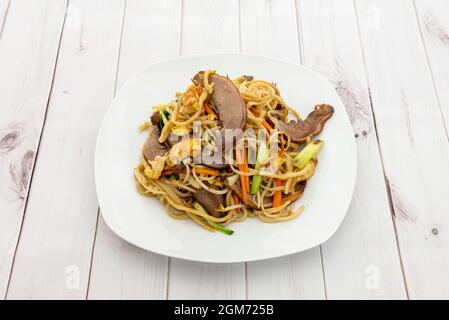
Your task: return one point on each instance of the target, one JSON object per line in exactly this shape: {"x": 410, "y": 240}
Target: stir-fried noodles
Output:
{"x": 225, "y": 150}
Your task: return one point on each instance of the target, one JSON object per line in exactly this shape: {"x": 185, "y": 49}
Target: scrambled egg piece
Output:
{"x": 154, "y": 170}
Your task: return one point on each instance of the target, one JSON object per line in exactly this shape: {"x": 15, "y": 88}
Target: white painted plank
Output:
{"x": 151, "y": 32}
{"x": 434, "y": 22}
{"x": 194, "y": 280}
{"x": 4, "y": 6}
{"x": 123, "y": 271}
{"x": 270, "y": 28}
{"x": 27, "y": 60}
{"x": 361, "y": 260}
{"x": 208, "y": 26}
{"x": 297, "y": 276}
{"x": 54, "y": 253}
{"x": 413, "y": 142}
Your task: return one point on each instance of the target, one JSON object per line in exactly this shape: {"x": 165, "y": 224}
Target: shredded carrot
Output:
{"x": 236, "y": 200}
{"x": 277, "y": 199}
{"x": 208, "y": 109}
{"x": 244, "y": 180}
{"x": 207, "y": 171}
{"x": 243, "y": 183}
{"x": 264, "y": 122}
{"x": 245, "y": 167}
{"x": 281, "y": 140}
{"x": 267, "y": 125}
{"x": 206, "y": 105}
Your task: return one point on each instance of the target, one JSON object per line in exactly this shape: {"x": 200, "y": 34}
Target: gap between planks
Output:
{"x": 301, "y": 62}
{"x": 418, "y": 25}
{"x": 114, "y": 93}
{"x": 387, "y": 186}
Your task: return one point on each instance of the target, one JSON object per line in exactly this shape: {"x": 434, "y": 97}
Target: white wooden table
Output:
{"x": 61, "y": 63}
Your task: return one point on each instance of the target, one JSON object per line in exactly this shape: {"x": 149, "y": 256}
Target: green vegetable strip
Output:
{"x": 255, "y": 184}
{"x": 164, "y": 118}
{"x": 215, "y": 225}
{"x": 262, "y": 156}
{"x": 308, "y": 153}
{"x": 220, "y": 227}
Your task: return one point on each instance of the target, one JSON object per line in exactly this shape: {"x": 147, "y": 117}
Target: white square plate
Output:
{"x": 143, "y": 221}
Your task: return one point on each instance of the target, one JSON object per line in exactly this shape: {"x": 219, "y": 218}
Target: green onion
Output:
{"x": 164, "y": 115}
{"x": 308, "y": 153}
{"x": 262, "y": 156}
{"x": 215, "y": 225}
{"x": 220, "y": 227}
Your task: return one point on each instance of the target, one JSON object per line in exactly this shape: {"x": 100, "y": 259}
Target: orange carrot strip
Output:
{"x": 243, "y": 179}
{"x": 206, "y": 105}
{"x": 254, "y": 111}
{"x": 277, "y": 198}
{"x": 264, "y": 122}
{"x": 243, "y": 183}
{"x": 236, "y": 200}
{"x": 208, "y": 109}
{"x": 207, "y": 171}
{"x": 266, "y": 125}
{"x": 282, "y": 146}
{"x": 245, "y": 166}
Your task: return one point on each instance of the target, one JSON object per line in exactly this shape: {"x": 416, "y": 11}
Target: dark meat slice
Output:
{"x": 152, "y": 148}
{"x": 156, "y": 122}
{"x": 311, "y": 126}
{"x": 156, "y": 119}
{"x": 227, "y": 100}
{"x": 299, "y": 190}
{"x": 211, "y": 202}
{"x": 177, "y": 168}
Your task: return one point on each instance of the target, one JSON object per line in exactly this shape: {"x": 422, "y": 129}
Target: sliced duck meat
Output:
{"x": 301, "y": 130}
{"x": 299, "y": 191}
{"x": 177, "y": 168}
{"x": 227, "y": 100}
{"x": 156, "y": 119}
{"x": 152, "y": 148}
{"x": 211, "y": 202}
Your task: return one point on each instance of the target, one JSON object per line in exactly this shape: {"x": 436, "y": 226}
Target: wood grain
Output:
{"x": 27, "y": 60}
{"x": 54, "y": 253}
{"x": 361, "y": 260}
{"x": 413, "y": 141}
{"x": 434, "y": 26}
{"x": 208, "y": 26}
{"x": 270, "y": 28}
{"x": 151, "y": 32}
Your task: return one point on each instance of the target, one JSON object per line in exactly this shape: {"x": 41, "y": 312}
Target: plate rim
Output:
{"x": 258, "y": 257}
